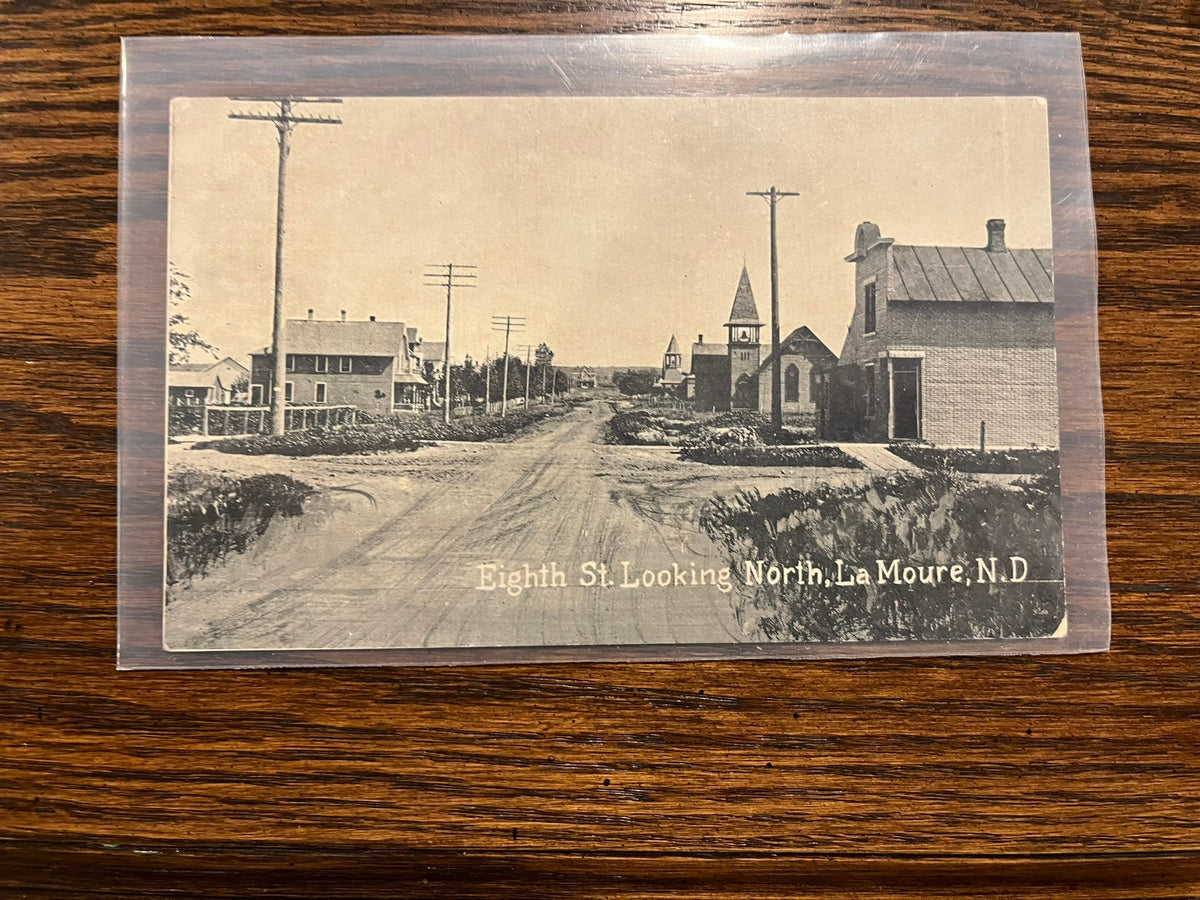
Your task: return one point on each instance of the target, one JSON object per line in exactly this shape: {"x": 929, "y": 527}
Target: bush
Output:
{"x": 210, "y": 516}
{"x": 744, "y": 447}
{"x": 402, "y": 433}
{"x": 740, "y": 418}
{"x": 964, "y": 459}
{"x": 926, "y": 519}
{"x": 642, "y": 428}
{"x": 316, "y": 442}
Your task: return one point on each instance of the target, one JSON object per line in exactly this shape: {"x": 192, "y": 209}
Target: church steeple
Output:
{"x": 744, "y": 324}
{"x": 673, "y": 359}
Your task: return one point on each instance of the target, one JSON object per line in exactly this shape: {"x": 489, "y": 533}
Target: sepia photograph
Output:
{"x": 455, "y": 372}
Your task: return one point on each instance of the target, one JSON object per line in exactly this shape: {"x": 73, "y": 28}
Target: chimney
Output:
{"x": 995, "y": 228}
{"x": 372, "y": 318}
{"x": 310, "y": 315}
{"x": 343, "y": 315}
{"x": 699, "y": 339}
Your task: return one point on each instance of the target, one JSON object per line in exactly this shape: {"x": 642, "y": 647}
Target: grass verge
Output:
{"x": 1032, "y": 461}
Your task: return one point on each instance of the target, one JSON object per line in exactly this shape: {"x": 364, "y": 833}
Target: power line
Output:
{"x": 449, "y": 276}
{"x": 285, "y": 120}
{"x": 773, "y": 197}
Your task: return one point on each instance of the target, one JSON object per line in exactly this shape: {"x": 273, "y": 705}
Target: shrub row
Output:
{"x": 925, "y": 519}
{"x": 403, "y": 433}
{"x": 743, "y": 447}
{"x": 642, "y": 427}
{"x": 964, "y": 459}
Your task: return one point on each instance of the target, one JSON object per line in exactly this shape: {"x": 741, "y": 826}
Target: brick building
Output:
{"x": 373, "y": 366}
{"x": 725, "y": 376}
{"x": 943, "y": 339}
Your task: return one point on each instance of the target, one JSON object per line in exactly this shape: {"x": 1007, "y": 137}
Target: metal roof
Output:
{"x": 971, "y": 274}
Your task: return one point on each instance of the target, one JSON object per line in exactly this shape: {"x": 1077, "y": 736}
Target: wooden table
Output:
{"x": 1047, "y": 777}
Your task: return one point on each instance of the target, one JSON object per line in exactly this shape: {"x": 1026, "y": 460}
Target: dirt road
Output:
{"x": 449, "y": 521}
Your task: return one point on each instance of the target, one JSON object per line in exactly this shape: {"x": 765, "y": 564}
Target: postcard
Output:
{"x": 565, "y": 371}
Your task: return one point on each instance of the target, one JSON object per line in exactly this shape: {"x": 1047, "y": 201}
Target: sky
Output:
{"x": 610, "y": 224}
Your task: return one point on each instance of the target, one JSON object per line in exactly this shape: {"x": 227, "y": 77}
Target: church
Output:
{"x": 737, "y": 374}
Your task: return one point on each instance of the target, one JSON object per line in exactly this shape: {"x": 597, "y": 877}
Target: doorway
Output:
{"x": 906, "y": 399}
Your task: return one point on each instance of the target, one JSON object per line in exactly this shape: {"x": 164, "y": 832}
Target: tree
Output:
{"x": 543, "y": 365}
{"x": 239, "y": 391}
{"x": 562, "y": 382}
{"x": 633, "y": 382}
{"x": 183, "y": 340}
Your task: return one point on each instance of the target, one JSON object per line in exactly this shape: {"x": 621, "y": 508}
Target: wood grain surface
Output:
{"x": 1032, "y": 777}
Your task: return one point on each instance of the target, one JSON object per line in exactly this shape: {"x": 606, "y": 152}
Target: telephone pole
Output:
{"x": 507, "y": 324}
{"x": 772, "y": 197}
{"x": 487, "y": 384}
{"x": 284, "y": 119}
{"x": 528, "y": 374}
{"x": 444, "y": 275}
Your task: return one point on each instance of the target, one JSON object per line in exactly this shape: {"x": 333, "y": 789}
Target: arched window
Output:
{"x": 791, "y": 384}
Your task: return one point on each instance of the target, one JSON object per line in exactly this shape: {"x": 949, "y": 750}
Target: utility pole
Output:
{"x": 507, "y": 324}
{"x": 487, "y": 384}
{"x": 443, "y": 275}
{"x": 528, "y": 373}
{"x": 284, "y": 120}
{"x": 772, "y": 197}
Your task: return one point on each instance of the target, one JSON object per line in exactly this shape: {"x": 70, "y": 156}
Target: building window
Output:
{"x": 869, "y": 308}
{"x": 287, "y": 391}
{"x": 319, "y": 393}
{"x": 256, "y": 395}
{"x": 870, "y": 390}
{"x": 343, "y": 363}
{"x": 291, "y": 362}
{"x": 791, "y": 385}
{"x": 322, "y": 364}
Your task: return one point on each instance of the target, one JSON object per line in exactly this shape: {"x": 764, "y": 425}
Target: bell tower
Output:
{"x": 745, "y": 348}
{"x": 672, "y": 368}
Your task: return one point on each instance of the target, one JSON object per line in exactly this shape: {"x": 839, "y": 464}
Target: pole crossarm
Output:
{"x": 508, "y": 324}
{"x": 448, "y": 276}
{"x": 290, "y": 120}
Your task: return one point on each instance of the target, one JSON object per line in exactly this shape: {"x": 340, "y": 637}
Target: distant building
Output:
{"x": 585, "y": 378}
{"x": 735, "y": 375}
{"x": 943, "y": 339}
{"x": 373, "y": 366}
{"x": 671, "y": 379}
{"x": 201, "y": 384}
